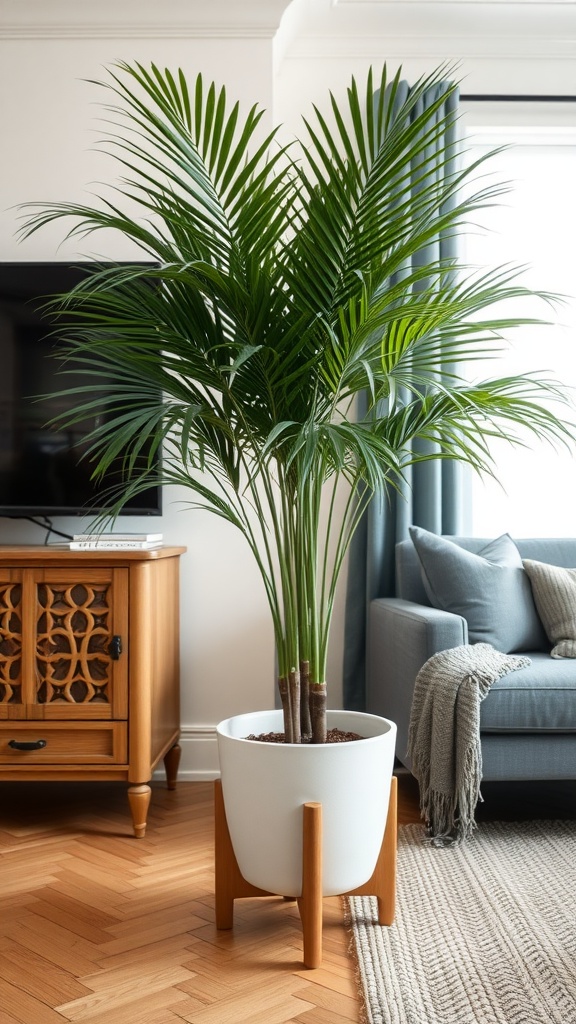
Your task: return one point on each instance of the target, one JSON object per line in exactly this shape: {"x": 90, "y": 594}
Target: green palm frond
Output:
{"x": 285, "y": 282}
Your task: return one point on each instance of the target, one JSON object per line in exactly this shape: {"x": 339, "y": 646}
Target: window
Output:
{"x": 533, "y": 226}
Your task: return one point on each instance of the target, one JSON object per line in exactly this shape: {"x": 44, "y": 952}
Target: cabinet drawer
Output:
{"x": 64, "y": 743}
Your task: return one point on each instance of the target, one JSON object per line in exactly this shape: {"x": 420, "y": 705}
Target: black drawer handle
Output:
{"x": 27, "y": 745}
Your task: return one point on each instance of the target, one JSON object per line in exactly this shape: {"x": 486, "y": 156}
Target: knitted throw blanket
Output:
{"x": 444, "y": 734}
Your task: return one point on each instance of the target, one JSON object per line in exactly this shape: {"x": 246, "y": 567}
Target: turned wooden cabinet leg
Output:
{"x": 139, "y": 799}
{"x": 171, "y": 763}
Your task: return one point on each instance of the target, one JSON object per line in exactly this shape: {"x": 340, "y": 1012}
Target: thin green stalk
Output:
{"x": 286, "y": 287}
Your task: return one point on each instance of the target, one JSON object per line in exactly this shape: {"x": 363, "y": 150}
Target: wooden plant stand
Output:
{"x": 231, "y": 885}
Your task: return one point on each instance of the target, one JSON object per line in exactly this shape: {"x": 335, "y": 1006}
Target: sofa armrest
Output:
{"x": 401, "y": 637}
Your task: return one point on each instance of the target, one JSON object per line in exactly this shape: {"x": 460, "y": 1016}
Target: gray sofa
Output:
{"x": 528, "y": 719}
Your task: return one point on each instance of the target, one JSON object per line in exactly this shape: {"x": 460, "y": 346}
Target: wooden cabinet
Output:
{"x": 89, "y": 667}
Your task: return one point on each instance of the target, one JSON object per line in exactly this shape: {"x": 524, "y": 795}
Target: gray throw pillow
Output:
{"x": 489, "y": 589}
{"x": 554, "y": 590}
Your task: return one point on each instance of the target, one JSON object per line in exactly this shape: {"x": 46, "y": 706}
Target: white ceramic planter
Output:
{"x": 265, "y": 785}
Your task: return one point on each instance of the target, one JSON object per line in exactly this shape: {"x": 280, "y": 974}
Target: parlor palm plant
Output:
{"x": 286, "y": 288}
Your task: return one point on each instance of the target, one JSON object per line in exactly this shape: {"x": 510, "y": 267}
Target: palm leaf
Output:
{"x": 283, "y": 287}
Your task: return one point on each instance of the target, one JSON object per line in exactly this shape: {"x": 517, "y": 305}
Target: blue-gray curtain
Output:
{"x": 430, "y": 496}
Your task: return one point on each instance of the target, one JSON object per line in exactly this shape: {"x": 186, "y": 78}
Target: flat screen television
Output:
{"x": 42, "y": 472}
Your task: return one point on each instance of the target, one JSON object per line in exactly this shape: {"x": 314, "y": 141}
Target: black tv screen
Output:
{"x": 42, "y": 472}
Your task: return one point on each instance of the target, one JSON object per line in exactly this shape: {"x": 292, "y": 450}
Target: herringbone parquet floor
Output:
{"x": 100, "y": 928}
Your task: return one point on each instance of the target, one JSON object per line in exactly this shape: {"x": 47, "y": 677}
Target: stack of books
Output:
{"x": 115, "y": 541}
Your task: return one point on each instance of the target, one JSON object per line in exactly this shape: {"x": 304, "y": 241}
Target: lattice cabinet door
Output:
{"x": 64, "y": 643}
{"x": 10, "y": 641}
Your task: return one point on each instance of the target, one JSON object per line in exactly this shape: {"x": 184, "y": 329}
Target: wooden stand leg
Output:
{"x": 231, "y": 885}
{"x": 310, "y": 903}
{"x": 382, "y": 884}
{"x": 139, "y": 800}
{"x": 171, "y": 763}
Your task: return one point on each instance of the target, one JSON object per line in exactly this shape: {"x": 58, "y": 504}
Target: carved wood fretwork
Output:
{"x": 89, "y": 669}
{"x": 73, "y": 637}
{"x": 10, "y": 643}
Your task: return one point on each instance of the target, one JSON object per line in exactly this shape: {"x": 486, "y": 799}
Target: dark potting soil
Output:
{"x": 332, "y": 736}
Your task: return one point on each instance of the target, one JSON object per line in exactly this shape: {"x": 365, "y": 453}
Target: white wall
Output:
{"x": 48, "y": 120}
{"x": 48, "y": 125}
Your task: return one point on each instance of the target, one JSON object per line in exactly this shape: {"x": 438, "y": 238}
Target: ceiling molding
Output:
{"x": 141, "y": 19}
{"x": 149, "y": 31}
{"x": 449, "y": 28}
{"x": 407, "y": 47}
{"x": 485, "y": 3}
{"x": 484, "y": 16}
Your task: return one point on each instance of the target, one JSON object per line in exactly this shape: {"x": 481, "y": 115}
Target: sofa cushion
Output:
{"x": 554, "y": 592}
{"x": 540, "y": 698}
{"x": 489, "y": 589}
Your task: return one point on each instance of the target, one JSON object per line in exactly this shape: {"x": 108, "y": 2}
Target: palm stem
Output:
{"x": 284, "y": 288}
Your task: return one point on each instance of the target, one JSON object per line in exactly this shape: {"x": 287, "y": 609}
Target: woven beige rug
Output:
{"x": 485, "y": 932}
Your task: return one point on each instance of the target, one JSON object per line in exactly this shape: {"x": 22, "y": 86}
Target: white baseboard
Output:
{"x": 199, "y": 759}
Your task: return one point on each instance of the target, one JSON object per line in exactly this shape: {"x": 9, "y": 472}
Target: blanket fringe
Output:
{"x": 444, "y": 735}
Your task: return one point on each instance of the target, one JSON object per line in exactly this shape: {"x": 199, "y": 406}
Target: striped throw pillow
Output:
{"x": 554, "y": 590}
